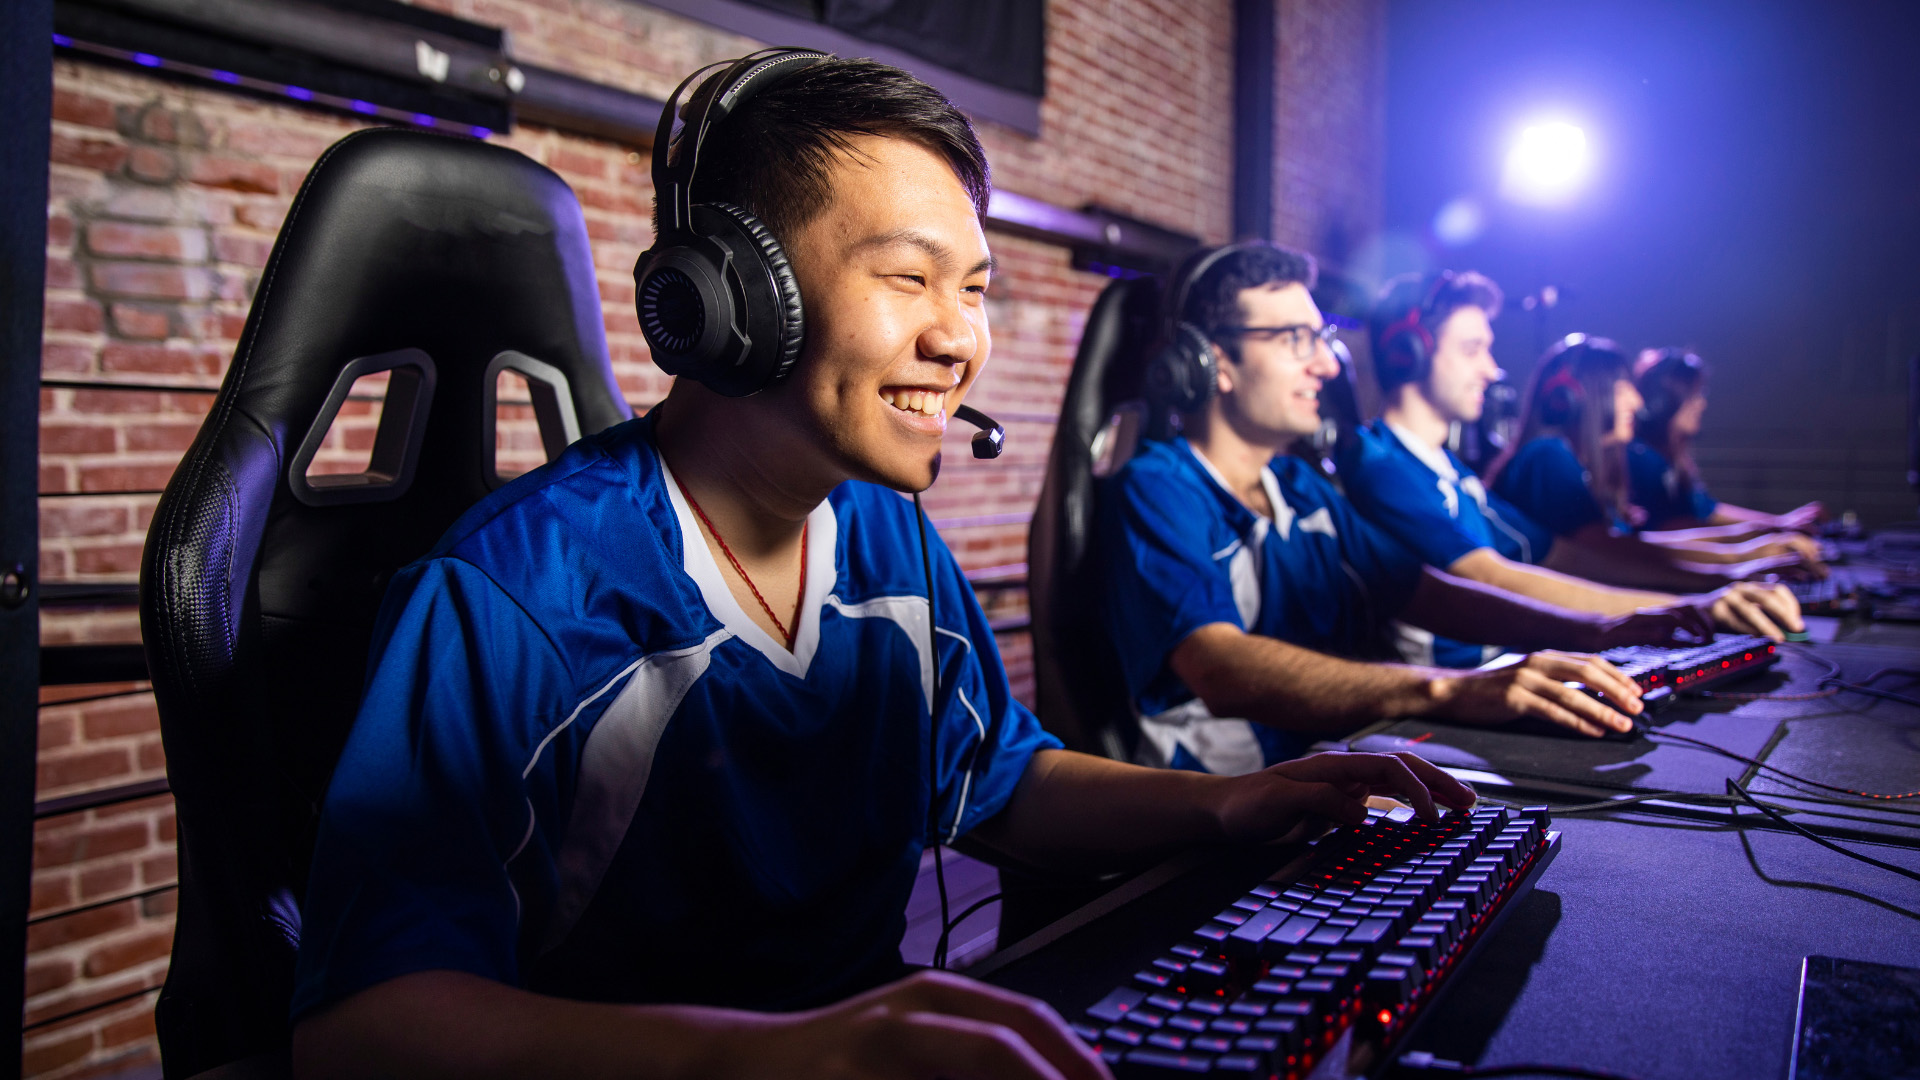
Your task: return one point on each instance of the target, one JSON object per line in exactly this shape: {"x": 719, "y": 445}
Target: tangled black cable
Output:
{"x": 1777, "y": 770}
{"x": 1734, "y": 788}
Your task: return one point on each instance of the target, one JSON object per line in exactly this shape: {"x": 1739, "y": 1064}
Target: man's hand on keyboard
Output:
{"x": 1767, "y": 611}
{"x": 1279, "y": 801}
{"x": 930, "y": 1024}
{"x": 1539, "y": 686}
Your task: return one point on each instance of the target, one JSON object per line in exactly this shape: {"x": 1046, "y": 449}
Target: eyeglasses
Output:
{"x": 1303, "y": 339}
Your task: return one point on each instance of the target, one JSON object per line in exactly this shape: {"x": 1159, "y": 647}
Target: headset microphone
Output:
{"x": 992, "y": 436}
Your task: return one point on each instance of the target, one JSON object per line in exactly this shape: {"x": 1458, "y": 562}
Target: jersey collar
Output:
{"x": 1283, "y": 512}
{"x": 696, "y": 559}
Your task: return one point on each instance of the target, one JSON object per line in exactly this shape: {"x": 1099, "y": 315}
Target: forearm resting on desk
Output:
{"x": 1291, "y": 688}
{"x": 443, "y": 1023}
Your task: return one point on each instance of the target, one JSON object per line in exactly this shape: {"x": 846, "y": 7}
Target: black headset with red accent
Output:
{"x": 1183, "y": 373}
{"x": 1404, "y": 352}
{"x": 1561, "y": 395}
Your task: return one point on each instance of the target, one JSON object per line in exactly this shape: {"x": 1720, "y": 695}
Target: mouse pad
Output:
{"x": 1858, "y": 1021}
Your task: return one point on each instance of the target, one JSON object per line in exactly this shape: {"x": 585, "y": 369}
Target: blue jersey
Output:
{"x": 1179, "y": 552}
{"x": 1670, "y": 499}
{"x": 1426, "y": 499}
{"x": 579, "y": 768}
{"x": 1548, "y": 483}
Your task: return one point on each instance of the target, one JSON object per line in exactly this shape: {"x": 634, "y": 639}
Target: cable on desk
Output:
{"x": 1733, "y": 787}
{"x": 940, "y": 946}
{"x": 1775, "y": 769}
{"x": 1421, "y": 1063}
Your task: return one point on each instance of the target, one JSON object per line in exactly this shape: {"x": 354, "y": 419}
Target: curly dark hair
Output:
{"x": 1435, "y": 297}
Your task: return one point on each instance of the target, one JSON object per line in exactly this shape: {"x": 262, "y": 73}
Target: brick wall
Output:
{"x": 165, "y": 202}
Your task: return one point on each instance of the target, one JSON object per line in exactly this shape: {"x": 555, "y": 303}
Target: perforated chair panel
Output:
{"x": 257, "y": 608}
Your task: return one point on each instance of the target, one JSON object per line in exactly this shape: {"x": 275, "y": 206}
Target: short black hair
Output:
{"x": 1434, "y": 297}
{"x": 771, "y": 157}
{"x": 1213, "y": 300}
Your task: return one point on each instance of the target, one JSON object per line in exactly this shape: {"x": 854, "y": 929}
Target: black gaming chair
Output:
{"x": 440, "y": 261}
{"x": 1081, "y": 697}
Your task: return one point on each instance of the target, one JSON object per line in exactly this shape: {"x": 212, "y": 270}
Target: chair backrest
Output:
{"x": 439, "y": 261}
{"x": 1081, "y": 695}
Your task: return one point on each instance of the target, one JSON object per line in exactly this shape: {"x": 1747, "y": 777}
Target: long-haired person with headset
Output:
{"x": 1663, "y": 479}
{"x": 1247, "y": 600}
{"x": 654, "y": 738}
{"x": 1432, "y": 337}
{"x": 1567, "y": 469}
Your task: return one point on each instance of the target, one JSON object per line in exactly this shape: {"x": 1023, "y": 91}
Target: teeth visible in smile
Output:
{"x": 915, "y": 401}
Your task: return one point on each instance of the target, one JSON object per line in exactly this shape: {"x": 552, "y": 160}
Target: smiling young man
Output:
{"x": 653, "y": 740}
{"x": 1433, "y": 356}
{"x": 1243, "y": 593}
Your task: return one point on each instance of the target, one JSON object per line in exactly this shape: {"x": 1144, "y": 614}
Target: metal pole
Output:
{"x": 26, "y": 85}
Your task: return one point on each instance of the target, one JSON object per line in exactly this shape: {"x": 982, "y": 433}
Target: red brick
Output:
{"x": 160, "y": 905}
{"x": 166, "y": 828}
{"x": 161, "y": 868}
{"x": 83, "y": 767}
{"x": 105, "y": 478}
{"x": 171, "y": 436}
{"x": 219, "y": 171}
{"x": 80, "y": 519}
{"x": 129, "y": 1029}
{"x": 76, "y": 439}
{"x": 150, "y": 359}
{"x": 60, "y": 230}
{"x": 62, "y": 273}
{"x": 121, "y": 955}
{"x": 261, "y": 215}
{"x": 53, "y": 478}
{"x": 56, "y": 731}
{"x": 154, "y": 280}
{"x": 51, "y": 890}
{"x": 67, "y": 358}
{"x": 44, "y": 1054}
{"x": 112, "y": 559}
{"x": 120, "y": 718}
{"x": 137, "y": 321}
{"x": 251, "y": 251}
{"x": 102, "y": 881}
{"x": 79, "y": 926}
{"x": 98, "y": 155}
{"x": 154, "y": 164}
{"x": 146, "y": 241}
{"x": 112, "y": 402}
{"x": 79, "y": 315}
{"x": 152, "y": 756}
{"x": 49, "y": 973}
{"x": 90, "y": 995}
{"x": 86, "y": 110}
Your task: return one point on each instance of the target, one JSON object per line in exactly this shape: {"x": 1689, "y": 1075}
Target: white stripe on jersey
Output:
{"x": 614, "y": 767}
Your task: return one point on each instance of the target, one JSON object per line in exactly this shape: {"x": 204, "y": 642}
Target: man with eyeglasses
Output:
{"x": 1244, "y": 594}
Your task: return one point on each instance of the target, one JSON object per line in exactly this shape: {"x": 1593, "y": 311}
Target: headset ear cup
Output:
{"x": 1183, "y": 373}
{"x": 786, "y": 315}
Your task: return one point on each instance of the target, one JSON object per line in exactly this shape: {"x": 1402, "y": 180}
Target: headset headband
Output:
{"x": 1191, "y": 272}
{"x": 712, "y": 103}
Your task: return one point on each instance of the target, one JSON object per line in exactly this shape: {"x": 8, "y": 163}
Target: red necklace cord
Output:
{"x": 742, "y": 571}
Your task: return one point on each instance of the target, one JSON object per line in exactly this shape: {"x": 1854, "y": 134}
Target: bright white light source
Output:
{"x": 1459, "y": 222}
{"x": 1547, "y": 163}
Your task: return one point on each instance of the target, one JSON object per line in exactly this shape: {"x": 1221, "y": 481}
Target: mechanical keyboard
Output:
{"x": 1321, "y": 968}
{"x": 1663, "y": 673}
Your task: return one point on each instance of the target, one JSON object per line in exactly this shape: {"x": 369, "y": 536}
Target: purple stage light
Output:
{"x": 146, "y": 59}
{"x": 63, "y": 41}
{"x": 424, "y": 120}
{"x": 365, "y": 107}
{"x": 225, "y": 76}
{"x": 300, "y": 93}
{"x": 482, "y": 133}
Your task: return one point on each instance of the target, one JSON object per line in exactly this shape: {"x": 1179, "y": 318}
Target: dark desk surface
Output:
{"x": 1659, "y": 946}
{"x": 1663, "y": 949}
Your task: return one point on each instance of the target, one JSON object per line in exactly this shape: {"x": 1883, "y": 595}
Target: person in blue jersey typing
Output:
{"x": 1432, "y": 339}
{"x": 1567, "y": 469}
{"x": 654, "y": 737}
{"x": 1244, "y": 595}
{"x": 1662, "y": 477}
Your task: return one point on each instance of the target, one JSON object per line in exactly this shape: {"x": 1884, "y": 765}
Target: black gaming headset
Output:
{"x": 715, "y": 293}
{"x": 716, "y": 297}
{"x": 1404, "y": 353}
{"x": 1183, "y": 372}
